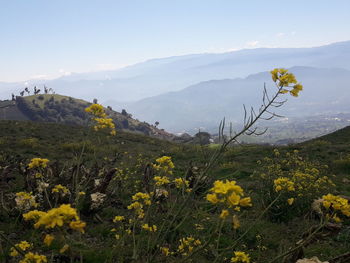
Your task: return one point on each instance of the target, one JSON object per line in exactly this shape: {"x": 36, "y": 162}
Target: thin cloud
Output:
{"x": 39, "y": 77}
{"x": 252, "y": 44}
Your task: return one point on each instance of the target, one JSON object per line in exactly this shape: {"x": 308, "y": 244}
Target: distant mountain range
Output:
{"x": 188, "y": 92}
{"x": 157, "y": 76}
{"x": 326, "y": 91}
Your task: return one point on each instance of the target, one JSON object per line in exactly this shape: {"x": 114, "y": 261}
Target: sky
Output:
{"x": 47, "y": 38}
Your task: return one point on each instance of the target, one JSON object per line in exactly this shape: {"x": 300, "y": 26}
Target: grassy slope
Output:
{"x": 61, "y": 143}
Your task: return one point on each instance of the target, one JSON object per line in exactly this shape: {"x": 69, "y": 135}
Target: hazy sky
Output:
{"x": 48, "y": 38}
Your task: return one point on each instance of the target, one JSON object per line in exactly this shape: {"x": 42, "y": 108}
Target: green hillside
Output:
{"x": 67, "y": 110}
{"x": 128, "y": 155}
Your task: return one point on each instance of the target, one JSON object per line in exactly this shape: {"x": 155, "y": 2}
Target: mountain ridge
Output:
{"x": 154, "y": 77}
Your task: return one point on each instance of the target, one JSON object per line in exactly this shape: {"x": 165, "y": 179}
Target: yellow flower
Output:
{"x": 233, "y": 200}
{"x": 247, "y": 201}
{"x": 165, "y": 251}
{"x": 23, "y": 245}
{"x": 164, "y": 164}
{"x": 180, "y": 182}
{"x": 284, "y": 80}
{"x": 118, "y": 218}
{"x": 31, "y": 257}
{"x": 64, "y": 248}
{"x": 240, "y": 257}
{"x": 224, "y": 213}
{"x": 55, "y": 217}
{"x": 60, "y": 189}
{"x": 283, "y": 183}
{"x": 161, "y": 180}
{"x": 78, "y": 225}
{"x": 38, "y": 163}
{"x": 96, "y": 110}
{"x": 149, "y": 228}
{"x": 48, "y": 239}
{"x": 235, "y": 222}
{"x": 212, "y": 198}
{"x": 290, "y": 201}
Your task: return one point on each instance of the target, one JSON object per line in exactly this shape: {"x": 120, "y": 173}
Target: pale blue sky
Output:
{"x": 49, "y": 38}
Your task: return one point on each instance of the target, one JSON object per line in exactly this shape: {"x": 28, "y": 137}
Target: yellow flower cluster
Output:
{"x": 118, "y": 219}
{"x": 181, "y": 183}
{"x": 64, "y": 214}
{"x": 96, "y": 110}
{"x": 164, "y": 164}
{"x": 165, "y": 251}
{"x": 48, "y": 239}
{"x": 104, "y": 123}
{"x": 187, "y": 245}
{"x": 33, "y": 258}
{"x": 336, "y": 203}
{"x": 60, "y": 189}
{"x": 149, "y": 228}
{"x": 240, "y": 257}
{"x": 140, "y": 199}
{"x": 23, "y": 245}
{"x": 25, "y": 201}
{"x": 38, "y": 163}
{"x": 285, "y": 80}
{"x": 229, "y": 194}
{"x": 161, "y": 180}
{"x": 283, "y": 183}
{"x": 100, "y": 117}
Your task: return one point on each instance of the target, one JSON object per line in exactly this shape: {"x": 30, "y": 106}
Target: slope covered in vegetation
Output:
{"x": 63, "y": 109}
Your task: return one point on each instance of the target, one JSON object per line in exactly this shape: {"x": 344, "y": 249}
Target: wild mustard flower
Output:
{"x": 165, "y": 251}
{"x": 286, "y": 81}
{"x": 290, "y": 201}
{"x": 164, "y": 164}
{"x": 228, "y": 193}
{"x": 23, "y": 245}
{"x": 336, "y": 204}
{"x": 140, "y": 199}
{"x": 149, "y": 228}
{"x": 224, "y": 213}
{"x": 64, "y": 248}
{"x": 187, "y": 245}
{"x": 161, "y": 180}
{"x": 60, "y": 189}
{"x": 100, "y": 118}
{"x": 283, "y": 183}
{"x": 240, "y": 257}
{"x": 33, "y": 258}
{"x": 118, "y": 219}
{"x": 78, "y": 225}
{"x": 48, "y": 239}
{"x": 38, "y": 163}
{"x": 235, "y": 222}
{"x": 56, "y": 217}
{"x": 96, "y": 110}
{"x": 181, "y": 183}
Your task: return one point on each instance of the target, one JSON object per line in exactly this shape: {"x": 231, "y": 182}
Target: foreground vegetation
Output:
{"x": 73, "y": 194}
